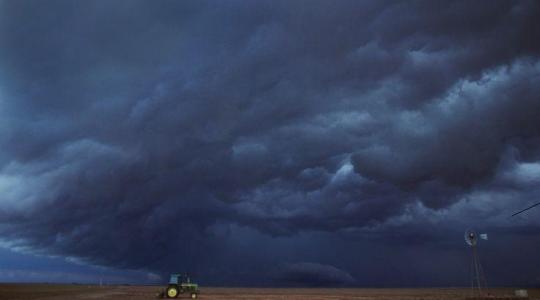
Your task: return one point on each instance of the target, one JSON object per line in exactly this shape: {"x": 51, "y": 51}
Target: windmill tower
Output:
{"x": 478, "y": 278}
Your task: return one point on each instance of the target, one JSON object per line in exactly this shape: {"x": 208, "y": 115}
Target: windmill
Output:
{"x": 478, "y": 279}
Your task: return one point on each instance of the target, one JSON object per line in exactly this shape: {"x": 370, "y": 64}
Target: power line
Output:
{"x": 526, "y": 209}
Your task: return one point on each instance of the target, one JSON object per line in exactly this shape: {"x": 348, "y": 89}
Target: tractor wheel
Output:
{"x": 194, "y": 296}
{"x": 172, "y": 292}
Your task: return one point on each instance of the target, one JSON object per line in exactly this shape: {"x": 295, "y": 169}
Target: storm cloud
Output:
{"x": 306, "y": 274}
{"x": 184, "y": 136}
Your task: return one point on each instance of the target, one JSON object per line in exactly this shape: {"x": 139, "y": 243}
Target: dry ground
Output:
{"x": 69, "y": 292}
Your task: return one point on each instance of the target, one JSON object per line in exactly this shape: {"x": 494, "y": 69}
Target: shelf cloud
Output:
{"x": 183, "y": 136}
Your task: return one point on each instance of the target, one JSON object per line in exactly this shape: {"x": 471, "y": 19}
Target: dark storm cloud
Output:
{"x": 134, "y": 133}
{"x": 312, "y": 274}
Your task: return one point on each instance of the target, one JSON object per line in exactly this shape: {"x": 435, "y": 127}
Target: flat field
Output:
{"x": 57, "y": 292}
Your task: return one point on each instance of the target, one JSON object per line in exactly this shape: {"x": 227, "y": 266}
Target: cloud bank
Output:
{"x": 134, "y": 133}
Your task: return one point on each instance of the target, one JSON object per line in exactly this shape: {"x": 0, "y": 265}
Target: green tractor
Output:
{"x": 178, "y": 286}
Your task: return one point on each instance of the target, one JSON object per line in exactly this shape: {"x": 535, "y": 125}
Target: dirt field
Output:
{"x": 53, "y": 291}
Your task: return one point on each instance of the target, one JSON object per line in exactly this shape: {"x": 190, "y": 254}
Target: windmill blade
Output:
{"x": 470, "y": 238}
{"x": 526, "y": 209}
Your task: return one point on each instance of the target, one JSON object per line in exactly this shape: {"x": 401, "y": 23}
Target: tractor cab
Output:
{"x": 175, "y": 279}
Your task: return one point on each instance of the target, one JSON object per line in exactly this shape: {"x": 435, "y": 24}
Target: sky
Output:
{"x": 269, "y": 143}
